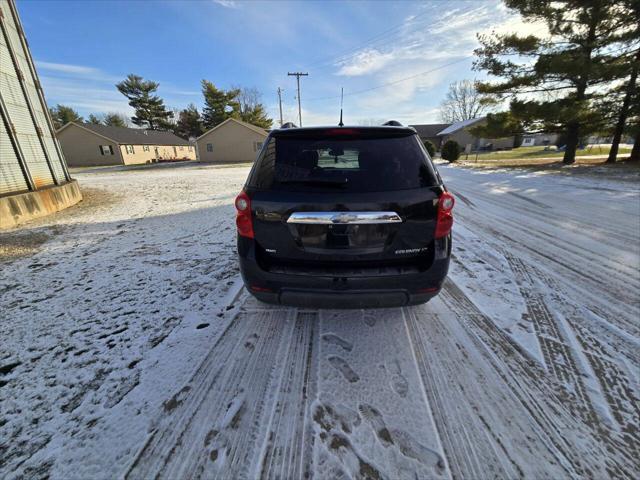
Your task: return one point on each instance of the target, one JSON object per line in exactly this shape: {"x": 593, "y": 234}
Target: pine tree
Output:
{"x": 630, "y": 105}
{"x": 630, "y": 98}
{"x": 150, "y": 111}
{"x": 218, "y": 104}
{"x": 257, "y": 116}
{"x": 499, "y": 125}
{"x": 553, "y": 82}
{"x": 189, "y": 123}
{"x": 93, "y": 119}
{"x": 115, "y": 120}
{"x": 61, "y": 115}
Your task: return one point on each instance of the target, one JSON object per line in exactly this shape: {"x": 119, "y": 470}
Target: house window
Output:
{"x": 257, "y": 146}
{"x": 181, "y": 147}
{"x": 129, "y": 148}
{"x": 106, "y": 150}
{"x": 209, "y": 147}
{"x": 145, "y": 148}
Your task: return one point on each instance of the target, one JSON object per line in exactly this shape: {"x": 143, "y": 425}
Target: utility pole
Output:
{"x": 280, "y": 103}
{"x": 298, "y": 75}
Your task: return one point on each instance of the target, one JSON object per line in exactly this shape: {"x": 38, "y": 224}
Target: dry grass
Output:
{"x": 527, "y": 153}
{"x": 623, "y": 169}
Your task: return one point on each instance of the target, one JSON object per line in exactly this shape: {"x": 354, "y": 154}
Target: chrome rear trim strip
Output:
{"x": 341, "y": 218}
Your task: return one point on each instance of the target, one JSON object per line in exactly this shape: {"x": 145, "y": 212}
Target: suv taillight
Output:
{"x": 444, "y": 221}
{"x": 244, "y": 222}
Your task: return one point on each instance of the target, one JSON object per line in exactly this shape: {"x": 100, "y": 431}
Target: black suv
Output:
{"x": 344, "y": 217}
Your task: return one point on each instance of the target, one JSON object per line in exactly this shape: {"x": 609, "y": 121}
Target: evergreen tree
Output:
{"x": 257, "y": 116}
{"x": 553, "y": 82}
{"x": 450, "y": 151}
{"x": 430, "y": 147}
{"x": 218, "y": 104}
{"x": 115, "y": 120}
{"x": 629, "y": 107}
{"x": 150, "y": 111}
{"x": 189, "y": 123}
{"x": 498, "y": 125}
{"x": 251, "y": 109}
{"x": 94, "y": 119}
{"x": 627, "y": 99}
{"x": 635, "y": 151}
{"x": 61, "y": 115}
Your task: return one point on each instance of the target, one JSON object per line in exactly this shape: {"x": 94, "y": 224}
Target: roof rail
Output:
{"x": 289, "y": 125}
{"x": 392, "y": 123}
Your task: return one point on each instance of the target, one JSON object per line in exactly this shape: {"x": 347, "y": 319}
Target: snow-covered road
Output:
{"x": 130, "y": 349}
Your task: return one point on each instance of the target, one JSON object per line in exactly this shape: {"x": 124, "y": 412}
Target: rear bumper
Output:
{"x": 328, "y": 291}
{"x": 352, "y": 299}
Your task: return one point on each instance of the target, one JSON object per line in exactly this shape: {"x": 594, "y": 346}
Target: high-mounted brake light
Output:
{"x": 244, "y": 222}
{"x": 444, "y": 221}
{"x": 341, "y": 131}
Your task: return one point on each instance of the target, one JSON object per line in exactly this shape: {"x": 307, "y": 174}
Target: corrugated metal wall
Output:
{"x": 13, "y": 179}
{"x": 25, "y": 115}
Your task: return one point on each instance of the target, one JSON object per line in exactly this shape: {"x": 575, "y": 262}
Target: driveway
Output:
{"x": 130, "y": 349}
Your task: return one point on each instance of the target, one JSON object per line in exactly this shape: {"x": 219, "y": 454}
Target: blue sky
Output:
{"x": 378, "y": 51}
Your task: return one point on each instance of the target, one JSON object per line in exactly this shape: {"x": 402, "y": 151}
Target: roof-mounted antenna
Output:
{"x": 341, "y": 99}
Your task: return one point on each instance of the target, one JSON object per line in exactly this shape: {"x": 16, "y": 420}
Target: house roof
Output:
{"x": 430, "y": 129}
{"x": 132, "y": 136}
{"x": 259, "y": 130}
{"x": 460, "y": 125}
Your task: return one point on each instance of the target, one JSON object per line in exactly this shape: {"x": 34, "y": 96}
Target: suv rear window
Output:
{"x": 353, "y": 164}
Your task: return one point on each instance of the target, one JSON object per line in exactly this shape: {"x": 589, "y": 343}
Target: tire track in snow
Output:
{"x": 619, "y": 390}
{"x": 558, "y": 358}
{"x": 583, "y": 283}
{"x": 591, "y": 450}
{"x": 542, "y": 228}
{"x": 471, "y": 449}
{"x": 288, "y": 450}
{"x": 212, "y": 425}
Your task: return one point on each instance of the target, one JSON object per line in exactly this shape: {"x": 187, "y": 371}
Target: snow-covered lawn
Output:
{"x": 130, "y": 349}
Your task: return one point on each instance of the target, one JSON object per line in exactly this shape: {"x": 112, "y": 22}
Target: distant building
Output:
{"x": 539, "y": 139}
{"x": 34, "y": 180}
{"x": 459, "y": 132}
{"x": 231, "y": 141}
{"x": 430, "y": 132}
{"x": 86, "y": 144}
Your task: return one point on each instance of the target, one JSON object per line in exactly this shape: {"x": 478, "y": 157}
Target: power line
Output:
{"x": 353, "y": 50}
{"x": 358, "y": 92}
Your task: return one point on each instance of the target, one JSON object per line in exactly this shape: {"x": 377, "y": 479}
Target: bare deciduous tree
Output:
{"x": 248, "y": 98}
{"x": 463, "y": 102}
{"x": 252, "y": 110}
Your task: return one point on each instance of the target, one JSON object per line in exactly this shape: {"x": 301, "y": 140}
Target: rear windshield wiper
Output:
{"x": 336, "y": 182}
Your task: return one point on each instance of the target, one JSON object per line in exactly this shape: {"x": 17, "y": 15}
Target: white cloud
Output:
{"x": 84, "y": 72}
{"x": 92, "y": 98}
{"x": 414, "y": 67}
{"x": 420, "y": 43}
{"x": 365, "y": 62}
{"x": 66, "y": 68}
{"x": 227, "y": 3}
